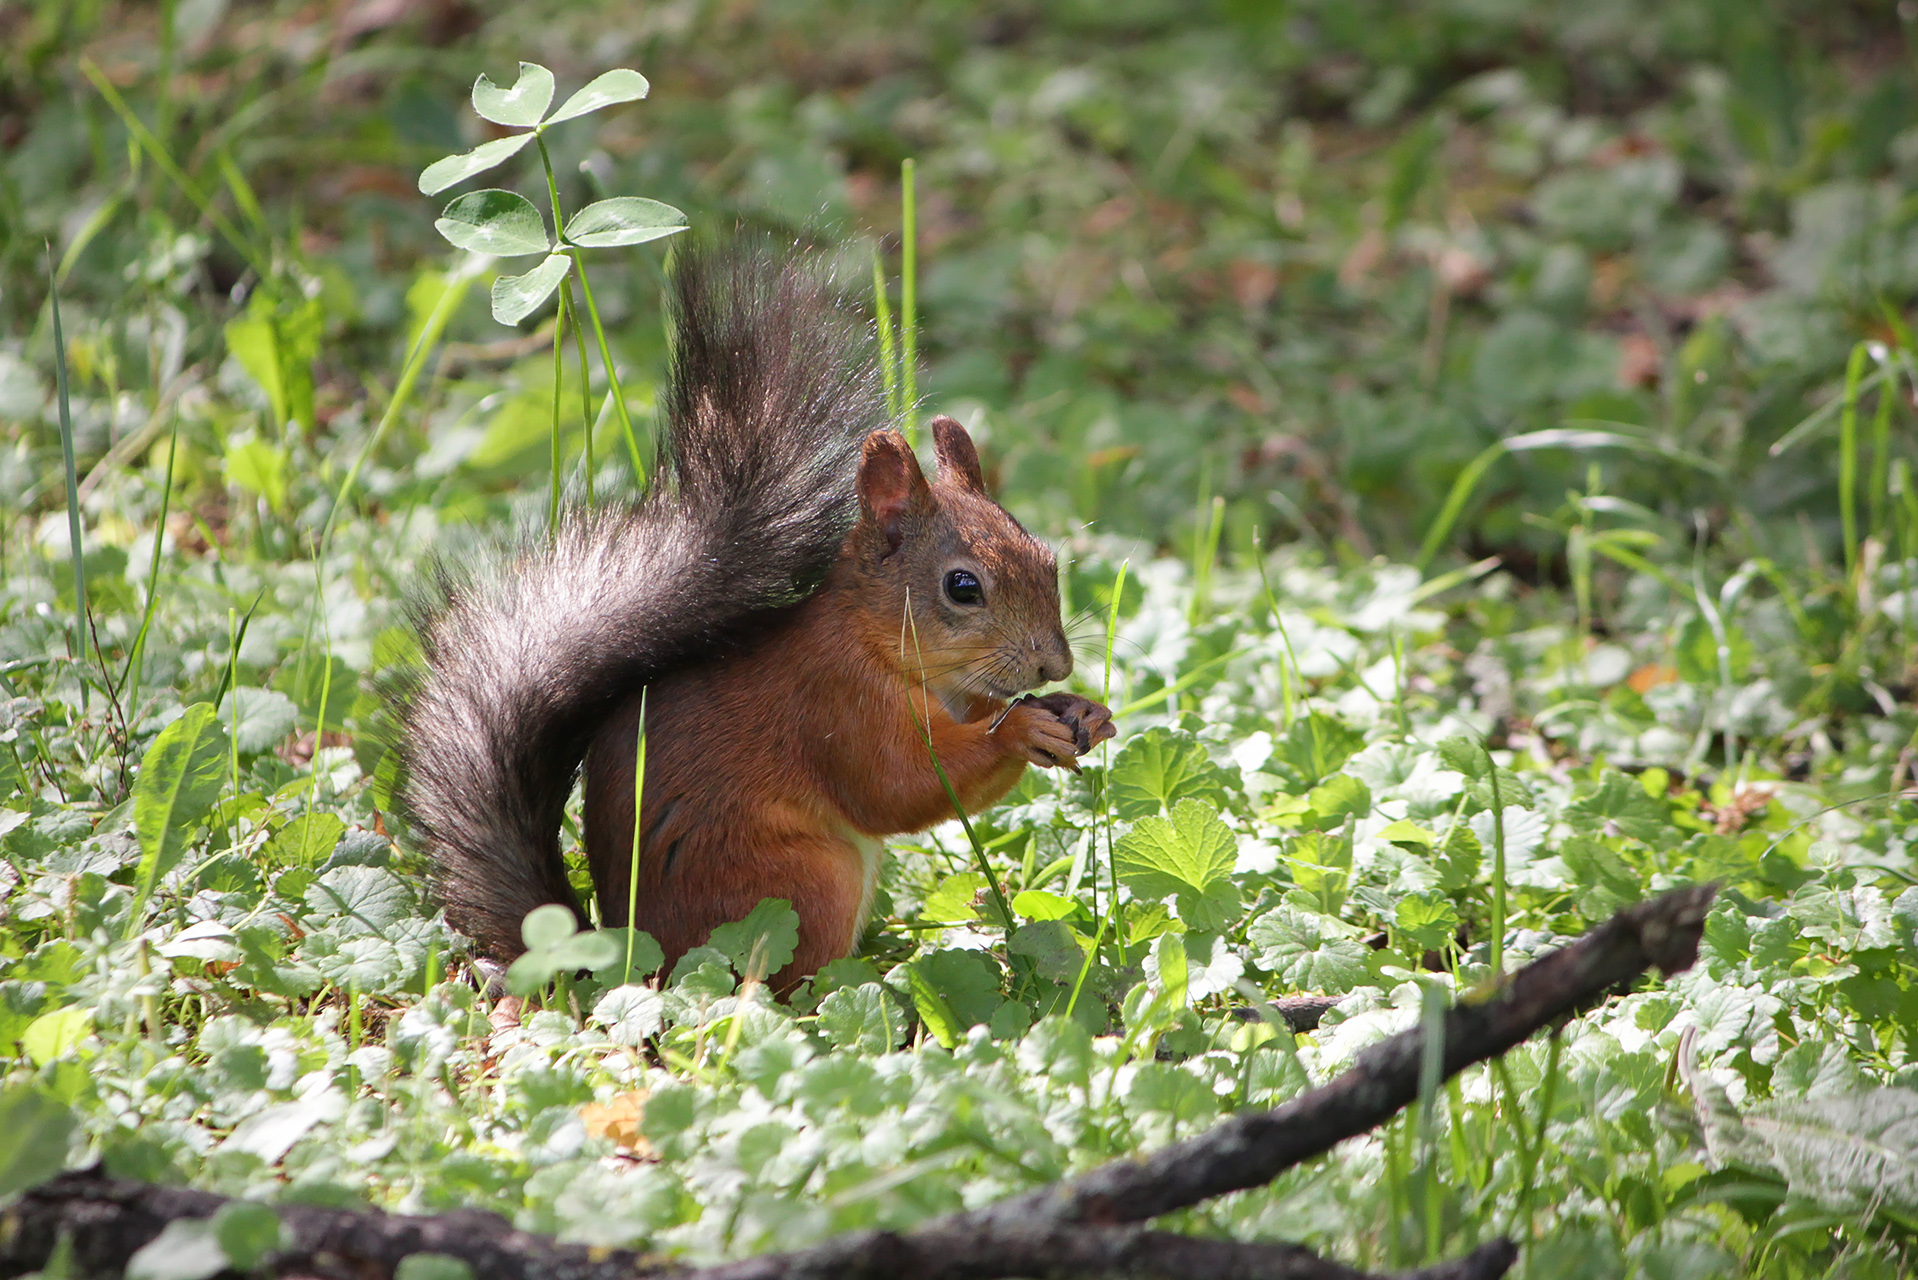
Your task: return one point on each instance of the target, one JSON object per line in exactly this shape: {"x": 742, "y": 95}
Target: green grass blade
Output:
{"x": 888, "y": 359}
{"x": 132, "y": 676}
{"x": 1878, "y": 488}
{"x": 909, "y": 300}
{"x": 73, "y": 481}
{"x": 585, "y": 384}
{"x": 632, "y": 865}
{"x": 1848, "y": 462}
{"x": 612, "y": 376}
{"x": 1467, "y": 480}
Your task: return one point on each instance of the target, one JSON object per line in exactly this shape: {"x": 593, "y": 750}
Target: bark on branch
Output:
{"x": 1089, "y": 1226}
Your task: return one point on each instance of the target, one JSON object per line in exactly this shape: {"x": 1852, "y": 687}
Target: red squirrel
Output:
{"x": 803, "y": 616}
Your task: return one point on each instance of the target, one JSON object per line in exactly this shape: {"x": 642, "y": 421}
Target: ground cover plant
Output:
{"x": 1593, "y": 321}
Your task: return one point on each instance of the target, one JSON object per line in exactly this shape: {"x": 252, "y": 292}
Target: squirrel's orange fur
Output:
{"x": 773, "y": 773}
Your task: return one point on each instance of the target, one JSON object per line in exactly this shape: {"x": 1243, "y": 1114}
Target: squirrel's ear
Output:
{"x": 891, "y": 486}
{"x": 958, "y": 460}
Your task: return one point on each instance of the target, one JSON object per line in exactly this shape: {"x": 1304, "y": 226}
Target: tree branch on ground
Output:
{"x": 1087, "y": 1226}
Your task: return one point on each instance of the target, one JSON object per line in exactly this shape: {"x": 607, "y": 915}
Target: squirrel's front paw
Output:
{"x": 1058, "y": 728}
{"x": 1090, "y": 722}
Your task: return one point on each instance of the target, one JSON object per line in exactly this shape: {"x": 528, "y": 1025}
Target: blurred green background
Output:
{"x": 1310, "y": 257}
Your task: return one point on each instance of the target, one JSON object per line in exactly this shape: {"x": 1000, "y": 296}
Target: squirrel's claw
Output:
{"x": 1084, "y": 720}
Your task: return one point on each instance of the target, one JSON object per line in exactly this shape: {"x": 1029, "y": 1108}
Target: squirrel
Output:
{"x": 801, "y": 619}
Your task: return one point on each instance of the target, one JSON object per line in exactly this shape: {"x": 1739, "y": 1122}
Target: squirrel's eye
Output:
{"x": 964, "y": 588}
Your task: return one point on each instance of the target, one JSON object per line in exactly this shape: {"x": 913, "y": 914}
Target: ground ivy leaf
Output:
{"x": 1058, "y": 950}
{"x": 1308, "y": 952}
{"x": 271, "y": 1132}
{"x": 1848, "y": 1151}
{"x": 623, "y": 220}
{"x": 1428, "y": 918}
{"x": 951, "y": 902}
{"x": 368, "y": 963}
{"x": 247, "y": 1231}
{"x": 185, "y": 1249}
{"x": 1621, "y": 801}
{"x": 1191, "y": 850}
{"x": 839, "y": 1082}
{"x": 306, "y": 841}
{"x": 604, "y": 90}
{"x": 516, "y": 297}
{"x": 763, "y": 943}
{"x": 1163, "y": 1088}
{"x": 1059, "y": 1049}
{"x": 371, "y": 899}
{"x": 1312, "y": 749}
{"x": 630, "y": 1014}
{"x": 520, "y": 106}
{"x": 1213, "y": 909}
{"x": 1463, "y": 755}
{"x": 646, "y": 956}
{"x": 34, "y": 1134}
{"x": 501, "y": 223}
{"x": 259, "y": 719}
{"x": 964, "y": 984}
{"x": 1161, "y": 766}
{"x": 1339, "y": 797}
{"x": 863, "y": 1019}
{"x": 848, "y": 971}
{"x": 181, "y": 776}
{"x": 1212, "y": 966}
{"x": 452, "y": 170}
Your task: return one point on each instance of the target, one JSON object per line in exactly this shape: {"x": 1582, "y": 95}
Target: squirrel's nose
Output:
{"x": 1055, "y": 665}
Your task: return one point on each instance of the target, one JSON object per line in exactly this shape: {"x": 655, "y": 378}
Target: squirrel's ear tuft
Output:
{"x": 891, "y": 486}
{"x": 958, "y": 460}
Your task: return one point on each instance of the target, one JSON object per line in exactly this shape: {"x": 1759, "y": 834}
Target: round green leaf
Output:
{"x": 1191, "y": 850}
{"x": 546, "y": 927}
{"x": 605, "y": 90}
{"x": 185, "y": 1249}
{"x": 247, "y": 1231}
{"x": 441, "y": 174}
{"x": 34, "y": 1132}
{"x": 764, "y": 941}
{"x": 630, "y": 1014}
{"x": 516, "y": 297}
{"x": 520, "y": 106}
{"x": 623, "y": 220}
{"x": 590, "y": 950}
{"x": 633, "y": 944}
{"x": 501, "y": 223}
{"x": 863, "y": 1019}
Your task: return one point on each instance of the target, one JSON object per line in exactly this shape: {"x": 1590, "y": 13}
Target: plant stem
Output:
{"x": 612, "y": 374}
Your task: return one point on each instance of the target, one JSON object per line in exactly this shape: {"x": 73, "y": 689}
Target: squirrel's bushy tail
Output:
{"x": 772, "y": 390}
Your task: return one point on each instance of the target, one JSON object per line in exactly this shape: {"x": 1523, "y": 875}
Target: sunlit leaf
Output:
{"x": 603, "y": 90}
{"x": 1191, "y": 850}
{"x": 516, "y": 297}
{"x": 623, "y": 220}
{"x": 520, "y": 106}
{"x": 502, "y": 223}
{"x": 441, "y": 174}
